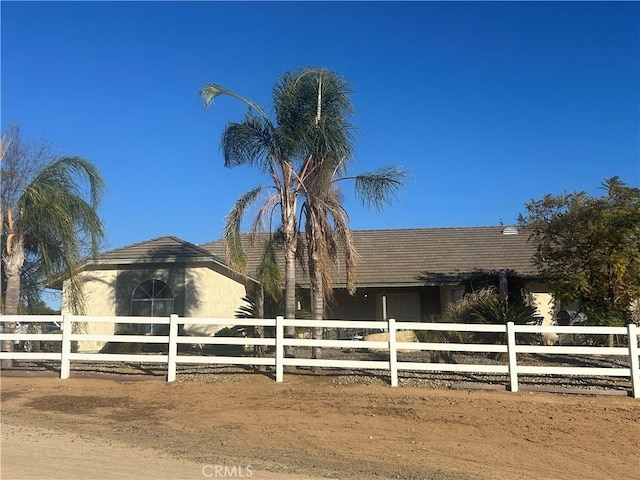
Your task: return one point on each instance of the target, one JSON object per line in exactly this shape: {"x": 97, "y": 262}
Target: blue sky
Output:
{"x": 487, "y": 104}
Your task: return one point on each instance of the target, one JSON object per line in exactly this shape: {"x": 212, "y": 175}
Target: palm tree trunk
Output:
{"x": 316, "y": 283}
{"x": 317, "y": 313}
{"x": 13, "y": 261}
{"x": 259, "y": 350}
{"x": 290, "y": 245}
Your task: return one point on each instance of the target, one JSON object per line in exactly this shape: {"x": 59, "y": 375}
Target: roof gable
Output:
{"x": 157, "y": 250}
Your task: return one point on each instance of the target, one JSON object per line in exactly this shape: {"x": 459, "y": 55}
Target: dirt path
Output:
{"x": 39, "y": 453}
{"x": 310, "y": 428}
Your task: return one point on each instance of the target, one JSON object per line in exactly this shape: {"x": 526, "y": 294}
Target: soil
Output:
{"x": 309, "y": 427}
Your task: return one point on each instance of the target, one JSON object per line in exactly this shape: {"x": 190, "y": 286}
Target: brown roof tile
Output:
{"x": 161, "y": 249}
{"x": 425, "y": 256}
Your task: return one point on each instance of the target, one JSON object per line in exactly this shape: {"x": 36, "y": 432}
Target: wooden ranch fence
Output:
{"x": 173, "y": 357}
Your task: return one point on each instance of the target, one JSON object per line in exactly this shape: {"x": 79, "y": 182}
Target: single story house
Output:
{"x": 407, "y": 274}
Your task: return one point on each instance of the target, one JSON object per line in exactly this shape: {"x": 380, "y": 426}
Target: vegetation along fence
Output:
{"x": 506, "y": 342}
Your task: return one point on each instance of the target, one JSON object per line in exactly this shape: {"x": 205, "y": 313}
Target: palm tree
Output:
{"x": 305, "y": 152}
{"x": 328, "y": 154}
{"x": 48, "y": 224}
{"x": 272, "y": 145}
{"x": 329, "y": 234}
{"x": 278, "y": 148}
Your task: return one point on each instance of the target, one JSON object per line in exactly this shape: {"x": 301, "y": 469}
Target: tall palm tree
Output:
{"x": 278, "y": 147}
{"x": 273, "y": 146}
{"x": 306, "y": 151}
{"x": 49, "y": 222}
{"x": 328, "y": 155}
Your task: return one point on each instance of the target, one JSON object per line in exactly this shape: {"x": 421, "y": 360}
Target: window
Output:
{"x": 152, "y": 298}
{"x": 457, "y": 293}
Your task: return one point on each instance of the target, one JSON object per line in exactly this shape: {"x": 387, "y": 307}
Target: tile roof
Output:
{"x": 425, "y": 256}
{"x": 161, "y": 249}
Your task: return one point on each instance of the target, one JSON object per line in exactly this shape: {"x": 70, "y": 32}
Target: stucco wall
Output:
{"x": 210, "y": 294}
{"x": 99, "y": 291}
{"x": 449, "y": 293}
{"x": 543, "y": 301}
{"x": 199, "y": 292}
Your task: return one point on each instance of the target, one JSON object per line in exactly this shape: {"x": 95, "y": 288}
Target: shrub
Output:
{"x": 226, "y": 350}
{"x": 123, "y": 347}
{"x": 485, "y": 306}
{"x": 52, "y": 346}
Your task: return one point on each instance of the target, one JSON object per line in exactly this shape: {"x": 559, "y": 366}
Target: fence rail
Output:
{"x": 390, "y": 346}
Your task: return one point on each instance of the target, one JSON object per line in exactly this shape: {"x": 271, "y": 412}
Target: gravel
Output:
{"x": 435, "y": 380}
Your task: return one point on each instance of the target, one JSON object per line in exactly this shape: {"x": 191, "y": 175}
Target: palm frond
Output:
{"x": 60, "y": 224}
{"x": 236, "y": 256}
{"x": 268, "y": 272}
{"x": 250, "y": 142}
{"x": 377, "y": 189}
{"x": 264, "y": 216}
{"x": 210, "y": 91}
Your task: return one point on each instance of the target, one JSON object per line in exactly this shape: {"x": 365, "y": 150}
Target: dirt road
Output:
{"x": 247, "y": 426}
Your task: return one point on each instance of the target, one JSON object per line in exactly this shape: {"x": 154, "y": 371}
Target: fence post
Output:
{"x": 511, "y": 350}
{"x": 173, "y": 348}
{"x": 65, "y": 361}
{"x": 634, "y": 362}
{"x": 279, "y": 349}
{"x": 393, "y": 352}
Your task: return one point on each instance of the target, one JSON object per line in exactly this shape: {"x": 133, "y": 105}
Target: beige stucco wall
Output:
{"x": 210, "y": 294}
{"x": 544, "y": 302}
{"x": 99, "y": 292}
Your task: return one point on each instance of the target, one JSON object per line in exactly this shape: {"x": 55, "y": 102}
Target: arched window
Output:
{"x": 152, "y": 298}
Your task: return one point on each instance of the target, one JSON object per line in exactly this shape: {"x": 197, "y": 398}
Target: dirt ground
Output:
{"x": 246, "y": 425}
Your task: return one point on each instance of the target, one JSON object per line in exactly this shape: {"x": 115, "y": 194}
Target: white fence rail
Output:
{"x": 173, "y": 357}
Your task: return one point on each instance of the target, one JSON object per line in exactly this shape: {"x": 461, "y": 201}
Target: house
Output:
{"x": 407, "y": 274}
{"x": 159, "y": 277}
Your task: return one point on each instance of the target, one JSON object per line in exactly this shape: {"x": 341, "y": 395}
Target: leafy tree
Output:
{"x": 49, "y": 218}
{"x": 588, "y": 249}
{"x": 38, "y": 308}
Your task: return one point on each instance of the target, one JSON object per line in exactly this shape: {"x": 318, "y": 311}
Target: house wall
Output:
{"x": 131, "y": 276}
{"x": 543, "y": 301}
{"x": 99, "y": 288}
{"x": 449, "y": 294}
{"x": 198, "y": 291}
{"x": 210, "y": 294}
{"x": 361, "y": 306}
{"x": 404, "y": 303}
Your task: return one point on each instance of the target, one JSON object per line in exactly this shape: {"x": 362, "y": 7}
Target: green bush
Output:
{"x": 134, "y": 347}
{"x": 226, "y": 350}
{"x": 440, "y": 336}
{"x": 52, "y": 346}
{"x": 123, "y": 347}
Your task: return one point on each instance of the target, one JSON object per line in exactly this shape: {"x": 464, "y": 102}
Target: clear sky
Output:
{"x": 487, "y": 104}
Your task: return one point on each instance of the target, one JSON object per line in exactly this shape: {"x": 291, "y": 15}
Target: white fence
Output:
{"x": 173, "y": 358}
